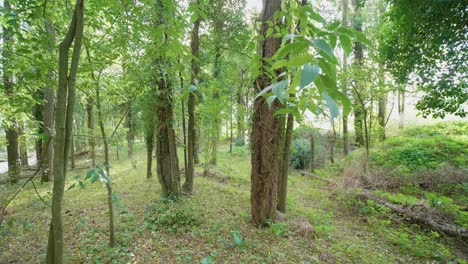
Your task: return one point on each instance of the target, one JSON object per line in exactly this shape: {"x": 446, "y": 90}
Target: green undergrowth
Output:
{"x": 213, "y": 225}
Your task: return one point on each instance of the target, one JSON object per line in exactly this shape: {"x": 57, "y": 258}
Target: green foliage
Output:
{"x": 412, "y": 154}
{"x": 278, "y": 229}
{"x": 411, "y": 44}
{"x": 447, "y": 206}
{"x": 173, "y": 216}
{"x": 300, "y": 154}
{"x": 418, "y": 245}
{"x": 322, "y": 222}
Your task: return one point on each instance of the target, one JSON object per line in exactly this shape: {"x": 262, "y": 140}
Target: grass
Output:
{"x": 211, "y": 226}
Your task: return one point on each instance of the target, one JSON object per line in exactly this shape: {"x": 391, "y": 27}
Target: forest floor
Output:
{"x": 211, "y": 226}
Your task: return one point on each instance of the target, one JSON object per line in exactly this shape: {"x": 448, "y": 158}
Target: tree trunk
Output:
{"x": 240, "y": 113}
{"x": 167, "y": 160}
{"x": 312, "y": 153}
{"x": 265, "y": 142}
{"x": 11, "y": 129}
{"x": 48, "y": 109}
{"x": 131, "y": 132}
{"x": 358, "y": 57}
{"x": 63, "y": 123}
{"x": 283, "y": 174}
{"x": 216, "y": 118}
{"x": 72, "y": 152}
{"x": 149, "y": 138}
{"x": 107, "y": 166}
{"x": 39, "y": 118}
{"x": 92, "y": 144}
{"x": 401, "y": 108}
{"x": 191, "y": 137}
{"x": 344, "y": 22}
{"x": 23, "y": 147}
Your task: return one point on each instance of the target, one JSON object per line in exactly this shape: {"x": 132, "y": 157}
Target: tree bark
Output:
{"x": 11, "y": 129}
{"x": 107, "y": 166}
{"x": 401, "y": 108}
{"x": 265, "y": 142}
{"x": 344, "y": 22}
{"x": 63, "y": 122}
{"x": 48, "y": 108}
{"x": 191, "y": 137}
{"x": 91, "y": 141}
{"x": 167, "y": 160}
{"x": 359, "y": 60}
{"x": 312, "y": 153}
{"x": 149, "y": 138}
{"x": 23, "y": 147}
{"x": 131, "y": 131}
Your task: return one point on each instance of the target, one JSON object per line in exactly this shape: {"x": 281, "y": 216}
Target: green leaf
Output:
{"x": 270, "y": 100}
{"x": 322, "y": 45}
{"x": 71, "y": 187}
{"x": 282, "y": 83}
{"x": 300, "y": 60}
{"x": 332, "y": 105}
{"x": 346, "y": 44}
{"x": 192, "y": 88}
{"x": 89, "y": 174}
{"x": 82, "y": 185}
{"x": 308, "y": 75}
{"x": 333, "y": 25}
{"x": 289, "y": 36}
{"x": 362, "y": 38}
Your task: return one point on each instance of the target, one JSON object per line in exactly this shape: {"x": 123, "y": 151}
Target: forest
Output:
{"x": 233, "y": 131}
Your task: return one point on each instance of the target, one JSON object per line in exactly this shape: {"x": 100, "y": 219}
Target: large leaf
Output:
{"x": 332, "y": 105}
{"x": 267, "y": 89}
{"x": 323, "y": 45}
{"x": 346, "y": 44}
{"x": 301, "y": 60}
{"x": 308, "y": 75}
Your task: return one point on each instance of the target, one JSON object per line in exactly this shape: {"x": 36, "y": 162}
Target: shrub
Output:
{"x": 173, "y": 216}
{"x": 300, "y": 154}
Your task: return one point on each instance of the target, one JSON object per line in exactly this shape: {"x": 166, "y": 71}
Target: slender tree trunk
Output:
{"x": 131, "y": 132}
{"x": 344, "y": 22}
{"x": 191, "y": 148}
{"x": 231, "y": 129}
{"x": 359, "y": 57}
{"x": 23, "y": 147}
{"x": 283, "y": 174}
{"x": 49, "y": 105}
{"x": 401, "y": 108}
{"x": 63, "y": 126}
{"x": 149, "y": 137}
{"x": 184, "y": 135}
{"x": 167, "y": 160}
{"x": 92, "y": 144}
{"x": 333, "y": 142}
{"x": 107, "y": 166}
{"x": 265, "y": 141}
{"x": 11, "y": 129}
{"x": 240, "y": 113}
{"x": 72, "y": 152}
{"x": 312, "y": 153}
{"x": 216, "y": 118}
{"x": 39, "y": 118}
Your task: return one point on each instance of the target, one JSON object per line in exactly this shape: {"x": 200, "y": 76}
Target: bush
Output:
{"x": 299, "y": 157}
{"x": 173, "y": 216}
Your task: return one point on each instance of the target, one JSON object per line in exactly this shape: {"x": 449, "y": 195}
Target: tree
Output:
{"x": 429, "y": 40}
{"x": 195, "y": 68}
{"x": 11, "y": 126}
{"x": 63, "y": 127}
{"x": 265, "y": 141}
{"x": 345, "y": 22}
{"x": 358, "y": 53}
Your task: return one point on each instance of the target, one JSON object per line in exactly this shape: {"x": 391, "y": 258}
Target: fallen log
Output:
{"x": 419, "y": 218}
{"x": 315, "y": 176}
